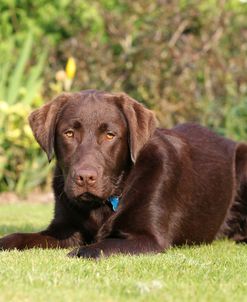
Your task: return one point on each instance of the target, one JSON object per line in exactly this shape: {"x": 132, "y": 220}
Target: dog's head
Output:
{"x": 95, "y": 136}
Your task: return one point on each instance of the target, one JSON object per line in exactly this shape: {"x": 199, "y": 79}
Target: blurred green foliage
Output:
{"x": 186, "y": 60}
{"x": 22, "y": 164}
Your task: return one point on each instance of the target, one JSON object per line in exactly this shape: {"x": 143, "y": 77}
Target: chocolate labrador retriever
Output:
{"x": 124, "y": 186}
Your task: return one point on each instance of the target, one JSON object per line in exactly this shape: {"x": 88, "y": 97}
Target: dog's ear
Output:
{"x": 140, "y": 120}
{"x": 43, "y": 123}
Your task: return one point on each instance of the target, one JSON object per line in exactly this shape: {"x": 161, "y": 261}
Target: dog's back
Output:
{"x": 219, "y": 199}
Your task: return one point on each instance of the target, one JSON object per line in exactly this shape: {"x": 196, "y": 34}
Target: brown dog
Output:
{"x": 181, "y": 186}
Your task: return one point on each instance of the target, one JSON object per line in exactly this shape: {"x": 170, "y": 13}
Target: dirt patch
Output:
{"x": 34, "y": 197}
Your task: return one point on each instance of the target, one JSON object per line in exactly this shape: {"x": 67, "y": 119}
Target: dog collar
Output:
{"x": 114, "y": 201}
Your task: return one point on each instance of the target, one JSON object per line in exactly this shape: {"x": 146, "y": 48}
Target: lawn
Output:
{"x": 215, "y": 272}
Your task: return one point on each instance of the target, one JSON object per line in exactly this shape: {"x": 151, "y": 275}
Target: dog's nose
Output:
{"x": 86, "y": 177}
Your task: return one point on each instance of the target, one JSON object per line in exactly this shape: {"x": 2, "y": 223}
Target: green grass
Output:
{"x": 215, "y": 272}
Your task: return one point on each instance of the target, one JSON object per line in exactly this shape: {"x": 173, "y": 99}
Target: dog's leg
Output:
{"x": 237, "y": 221}
{"x": 56, "y": 236}
{"x": 111, "y": 246}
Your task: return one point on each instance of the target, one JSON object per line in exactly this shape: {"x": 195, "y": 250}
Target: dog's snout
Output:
{"x": 85, "y": 177}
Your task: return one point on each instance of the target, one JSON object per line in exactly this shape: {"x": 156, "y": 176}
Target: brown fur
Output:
{"x": 186, "y": 185}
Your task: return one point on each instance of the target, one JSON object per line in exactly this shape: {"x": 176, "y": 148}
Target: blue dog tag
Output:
{"x": 114, "y": 200}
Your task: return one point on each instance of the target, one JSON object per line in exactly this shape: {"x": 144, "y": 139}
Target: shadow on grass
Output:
{"x": 28, "y": 228}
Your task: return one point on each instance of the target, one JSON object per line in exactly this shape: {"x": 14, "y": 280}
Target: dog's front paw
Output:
{"x": 12, "y": 241}
{"x": 86, "y": 252}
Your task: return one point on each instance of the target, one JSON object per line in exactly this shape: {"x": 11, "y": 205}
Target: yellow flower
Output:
{"x": 70, "y": 68}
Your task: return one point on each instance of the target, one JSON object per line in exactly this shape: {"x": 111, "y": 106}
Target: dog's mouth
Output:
{"x": 94, "y": 195}
{"x": 89, "y": 197}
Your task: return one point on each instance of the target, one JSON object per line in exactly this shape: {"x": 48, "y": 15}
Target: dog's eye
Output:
{"x": 69, "y": 133}
{"x": 110, "y": 136}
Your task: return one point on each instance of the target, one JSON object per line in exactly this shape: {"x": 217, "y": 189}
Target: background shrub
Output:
{"x": 22, "y": 164}
{"x": 184, "y": 59}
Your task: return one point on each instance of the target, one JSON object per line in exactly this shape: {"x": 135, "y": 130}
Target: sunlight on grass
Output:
{"x": 24, "y": 217}
{"x": 215, "y": 272}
